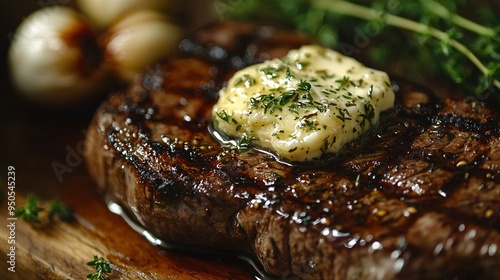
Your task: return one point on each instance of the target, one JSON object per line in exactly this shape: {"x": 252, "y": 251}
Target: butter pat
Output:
{"x": 309, "y": 103}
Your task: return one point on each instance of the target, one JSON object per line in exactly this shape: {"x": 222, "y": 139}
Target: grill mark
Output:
{"x": 364, "y": 192}
{"x": 468, "y": 124}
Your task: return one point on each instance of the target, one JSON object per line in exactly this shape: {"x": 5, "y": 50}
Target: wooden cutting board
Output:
{"x": 44, "y": 146}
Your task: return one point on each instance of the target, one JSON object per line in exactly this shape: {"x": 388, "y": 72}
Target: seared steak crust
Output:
{"x": 417, "y": 198}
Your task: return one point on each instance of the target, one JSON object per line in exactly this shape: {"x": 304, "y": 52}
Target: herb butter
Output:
{"x": 311, "y": 102}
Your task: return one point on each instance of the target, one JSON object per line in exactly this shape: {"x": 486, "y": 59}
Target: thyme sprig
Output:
{"x": 102, "y": 267}
{"x": 60, "y": 210}
{"x": 436, "y": 33}
{"x": 32, "y": 210}
{"x": 366, "y": 13}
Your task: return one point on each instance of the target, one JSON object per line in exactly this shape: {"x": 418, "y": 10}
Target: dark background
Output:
{"x": 33, "y": 137}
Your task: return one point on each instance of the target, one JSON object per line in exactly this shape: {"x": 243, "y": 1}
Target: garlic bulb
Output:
{"x": 138, "y": 40}
{"x": 103, "y": 13}
{"x": 54, "y": 57}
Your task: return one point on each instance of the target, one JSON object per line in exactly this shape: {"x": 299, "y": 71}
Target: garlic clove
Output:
{"x": 55, "y": 59}
{"x": 138, "y": 40}
{"x": 104, "y": 13}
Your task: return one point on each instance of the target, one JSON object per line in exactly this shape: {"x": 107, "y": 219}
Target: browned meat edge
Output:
{"x": 417, "y": 198}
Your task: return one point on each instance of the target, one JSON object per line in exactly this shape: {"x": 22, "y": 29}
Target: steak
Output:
{"x": 416, "y": 198}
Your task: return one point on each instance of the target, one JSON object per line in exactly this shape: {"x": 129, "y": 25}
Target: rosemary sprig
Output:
{"x": 101, "y": 265}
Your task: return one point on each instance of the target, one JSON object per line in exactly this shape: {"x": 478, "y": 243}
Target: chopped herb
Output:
{"x": 358, "y": 178}
{"x": 311, "y": 125}
{"x": 324, "y": 147}
{"x": 323, "y": 74}
{"x": 307, "y": 96}
{"x": 31, "y": 211}
{"x": 271, "y": 103}
{"x": 288, "y": 75}
{"x": 294, "y": 108}
{"x": 303, "y": 85}
{"x": 321, "y": 107}
{"x": 301, "y": 65}
{"x": 368, "y": 115}
{"x": 327, "y": 91}
{"x": 244, "y": 142}
{"x": 343, "y": 82}
{"x": 342, "y": 114}
{"x": 246, "y": 79}
{"x": 286, "y": 97}
{"x": 272, "y": 71}
{"x": 226, "y": 117}
{"x": 350, "y": 104}
{"x": 254, "y": 102}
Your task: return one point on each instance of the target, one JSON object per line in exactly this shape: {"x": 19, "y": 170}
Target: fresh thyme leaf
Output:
{"x": 61, "y": 210}
{"x": 272, "y": 71}
{"x": 286, "y": 97}
{"x": 244, "y": 142}
{"x": 102, "y": 266}
{"x": 225, "y": 116}
{"x": 367, "y": 116}
{"x": 288, "y": 75}
{"x": 437, "y": 34}
{"x": 33, "y": 208}
{"x": 30, "y": 211}
{"x": 342, "y": 82}
{"x": 303, "y": 85}
{"x": 246, "y": 80}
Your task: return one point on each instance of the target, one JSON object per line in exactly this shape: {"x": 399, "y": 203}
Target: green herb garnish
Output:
{"x": 343, "y": 82}
{"x": 102, "y": 266}
{"x": 343, "y": 115}
{"x": 30, "y": 211}
{"x": 225, "y": 116}
{"x": 60, "y": 210}
{"x": 304, "y": 86}
{"x": 272, "y": 71}
{"x": 246, "y": 80}
{"x": 437, "y": 34}
{"x": 244, "y": 142}
{"x": 367, "y": 116}
{"x": 54, "y": 208}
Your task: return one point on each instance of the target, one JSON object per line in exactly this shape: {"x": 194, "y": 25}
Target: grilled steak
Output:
{"x": 416, "y": 198}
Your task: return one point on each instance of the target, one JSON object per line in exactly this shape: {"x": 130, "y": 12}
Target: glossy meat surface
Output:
{"x": 417, "y": 198}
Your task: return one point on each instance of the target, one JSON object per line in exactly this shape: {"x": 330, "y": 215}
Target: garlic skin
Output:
{"x": 138, "y": 40}
{"x": 104, "y": 13}
{"x": 54, "y": 58}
